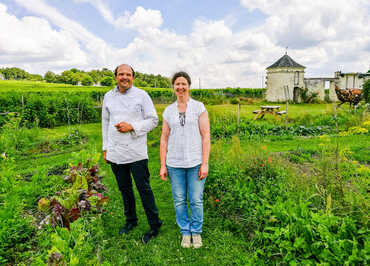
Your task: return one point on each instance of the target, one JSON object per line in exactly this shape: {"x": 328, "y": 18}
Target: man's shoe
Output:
{"x": 149, "y": 235}
{"x": 127, "y": 228}
{"x": 186, "y": 241}
{"x": 153, "y": 232}
{"x": 197, "y": 241}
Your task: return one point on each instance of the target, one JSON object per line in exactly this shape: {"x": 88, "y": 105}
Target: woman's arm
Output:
{"x": 206, "y": 144}
{"x": 163, "y": 149}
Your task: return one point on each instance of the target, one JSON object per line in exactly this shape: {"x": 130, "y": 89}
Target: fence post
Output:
{"x": 286, "y": 92}
{"x": 335, "y": 115}
{"x": 238, "y": 118}
{"x": 81, "y": 114}
{"x": 22, "y": 104}
{"x": 67, "y": 113}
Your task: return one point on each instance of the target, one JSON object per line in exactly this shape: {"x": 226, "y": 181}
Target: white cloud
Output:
{"x": 208, "y": 33}
{"x": 320, "y": 35}
{"x": 141, "y": 20}
{"x": 34, "y": 39}
{"x": 93, "y": 45}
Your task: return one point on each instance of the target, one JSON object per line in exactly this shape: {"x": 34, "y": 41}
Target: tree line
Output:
{"x": 74, "y": 76}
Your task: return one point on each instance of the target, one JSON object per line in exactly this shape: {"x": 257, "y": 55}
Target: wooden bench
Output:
{"x": 268, "y": 109}
{"x": 281, "y": 112}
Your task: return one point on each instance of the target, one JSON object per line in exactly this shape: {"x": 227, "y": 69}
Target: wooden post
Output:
{"x": 335, "y": 115}
{"x": 238, "y": 118}
{"x": 78, "y": 113}
{"x": 67, "y": 113}
{"x": 22, "y": 104}
{"x": 286, "y": 92}
{"x": 81, "y": 114}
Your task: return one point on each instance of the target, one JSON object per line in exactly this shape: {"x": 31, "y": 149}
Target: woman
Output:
{"x": 185, "y": 147}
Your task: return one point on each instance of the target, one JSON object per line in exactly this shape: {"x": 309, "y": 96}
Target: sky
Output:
{"x": 224, "y": 43}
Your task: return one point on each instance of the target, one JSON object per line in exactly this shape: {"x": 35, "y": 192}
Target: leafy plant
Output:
{"x": 70, "y": 248}
{"x": 366, "y": 91}
{"x": 85, "y": 194}
{"x": 307, "y": 96}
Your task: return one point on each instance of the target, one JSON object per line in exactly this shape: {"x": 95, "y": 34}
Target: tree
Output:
{"x": 14, "y": 73}
{"x": 50, "y": 77}
{"x": 140, "y": 83}
{"x": 87, "y": 80}
{"x": 94, "y": 74}
{"x": 107, "y": 81}
{"x": 69, "y": 77}
{"x": 35, "y": 77}
{"x": 75, "y": 70}
{"x": 366, "y": 91}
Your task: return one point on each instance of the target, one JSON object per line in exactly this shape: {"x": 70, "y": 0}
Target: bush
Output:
{"x": 366, "y": 91}
{"x": 258, "y": 198}
{"x": 107, "y": 81}
{"x": 87, "y": 81}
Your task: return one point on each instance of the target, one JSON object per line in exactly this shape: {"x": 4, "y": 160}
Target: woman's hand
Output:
{"x": 203, "y": 171}
{"x": 163, "y": 173}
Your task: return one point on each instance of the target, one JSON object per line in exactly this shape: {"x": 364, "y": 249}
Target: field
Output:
{"x": 277, "y": 193}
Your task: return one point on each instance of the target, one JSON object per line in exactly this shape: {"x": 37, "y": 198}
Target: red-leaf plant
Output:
{"x": 86, "y": 194}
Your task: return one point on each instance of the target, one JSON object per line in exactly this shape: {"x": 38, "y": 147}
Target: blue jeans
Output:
{"x": 186, "y": 185}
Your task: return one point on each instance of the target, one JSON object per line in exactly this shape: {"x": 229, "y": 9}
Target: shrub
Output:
{"x": 87, "y": 80}
{"x": 107, "y": 81}
{"x": 366, "y": 91}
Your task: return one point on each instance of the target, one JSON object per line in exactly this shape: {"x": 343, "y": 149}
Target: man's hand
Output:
{"x": 203, "y": 171}
{"x": 105, "y": 156}
{"x": 123, "y": 127}
{"x": 163, "y": 173}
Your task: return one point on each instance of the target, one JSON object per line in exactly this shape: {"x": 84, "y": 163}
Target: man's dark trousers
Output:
{"x": 140, "y": 173}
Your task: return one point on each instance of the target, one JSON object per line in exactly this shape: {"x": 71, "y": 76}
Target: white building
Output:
{"x": 284, "y": 72}
{"x": 287, "y": 72}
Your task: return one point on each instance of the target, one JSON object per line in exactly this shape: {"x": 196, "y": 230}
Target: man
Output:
{"x": 128, "y": 114}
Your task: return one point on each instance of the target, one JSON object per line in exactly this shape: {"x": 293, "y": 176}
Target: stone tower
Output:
{"x": 284, "y": 72}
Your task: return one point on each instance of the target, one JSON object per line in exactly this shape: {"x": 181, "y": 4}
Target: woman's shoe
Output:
{"x": 197, "y": 241}
{"x": 185, "y": 242}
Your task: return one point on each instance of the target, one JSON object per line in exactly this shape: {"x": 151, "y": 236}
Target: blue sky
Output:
{"x": 223, "y": 43}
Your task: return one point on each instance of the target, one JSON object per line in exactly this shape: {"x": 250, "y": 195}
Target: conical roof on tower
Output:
{"x": 285, "y": 61}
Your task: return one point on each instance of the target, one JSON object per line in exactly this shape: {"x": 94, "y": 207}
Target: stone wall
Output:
{"x": 350, "y": 80}
{"x": 277, "y": 78}
{"x": 317, "y": 85}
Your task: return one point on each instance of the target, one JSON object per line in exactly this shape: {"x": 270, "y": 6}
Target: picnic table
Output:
{"x": 268, "y": 109}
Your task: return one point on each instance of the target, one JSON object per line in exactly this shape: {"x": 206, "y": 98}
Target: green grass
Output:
{"x": 224, "y": 245}
{"x": 221, "y": 246}
{"x": 39, "y": 86}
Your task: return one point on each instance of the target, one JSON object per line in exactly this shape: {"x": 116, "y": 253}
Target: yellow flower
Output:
{"x": 366, "y": 123}
{"x": 357, "y": 130}
{"x": 363, "y": 169}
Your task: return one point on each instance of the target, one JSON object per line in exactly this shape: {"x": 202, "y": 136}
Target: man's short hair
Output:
{"x": 115, "y": 71}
